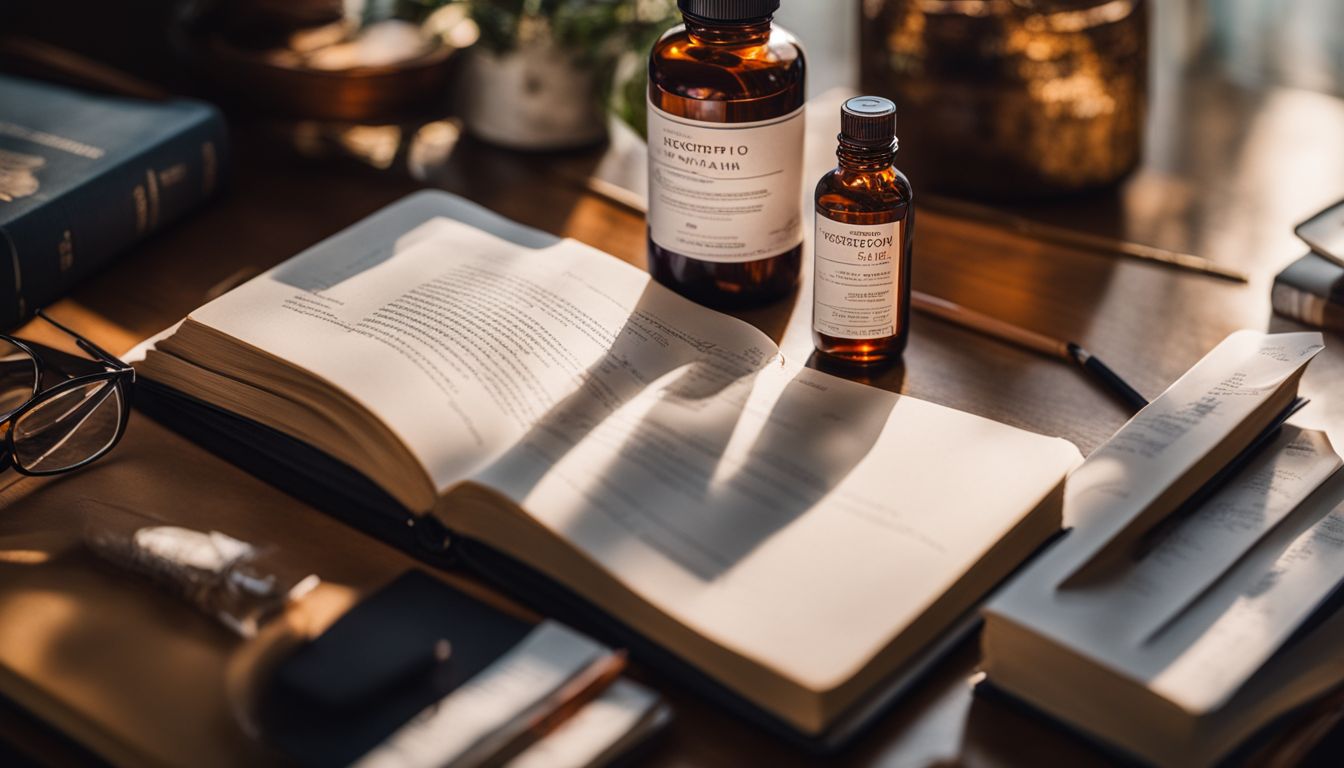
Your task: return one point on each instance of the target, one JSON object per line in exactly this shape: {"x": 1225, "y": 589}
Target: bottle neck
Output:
{"x": 751, "y": 32}
{"x": 865, "y": 157}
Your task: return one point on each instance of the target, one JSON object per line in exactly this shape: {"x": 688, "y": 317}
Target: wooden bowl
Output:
{"x": 256, "y": 80}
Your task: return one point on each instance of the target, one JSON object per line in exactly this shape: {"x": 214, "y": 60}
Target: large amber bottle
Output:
{"x": 726, "y": 93}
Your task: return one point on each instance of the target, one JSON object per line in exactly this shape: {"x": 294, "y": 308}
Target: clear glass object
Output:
{"x": 239, "y": 584}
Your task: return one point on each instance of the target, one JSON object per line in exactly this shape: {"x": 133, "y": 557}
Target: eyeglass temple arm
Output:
{"x": 86, "y": 345}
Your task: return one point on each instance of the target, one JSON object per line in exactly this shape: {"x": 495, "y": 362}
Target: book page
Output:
{"x": 1188, "y": 583}
{"x": 1157, "y": 448}
{"x": 1190, "y": 555}
{"x": 1129, "y": 483}
{"x": 1163, "y": 441}
{"x": 1201, "y": 659}
{"x": 461, "y": 341}
{"x": 774, "y": 516}
{"x": 1185, "y": 558}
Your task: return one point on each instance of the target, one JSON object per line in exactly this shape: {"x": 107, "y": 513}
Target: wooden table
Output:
{"x": 131, "y": 677}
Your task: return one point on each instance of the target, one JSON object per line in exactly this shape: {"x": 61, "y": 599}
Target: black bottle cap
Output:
{"x": 729, "y": 10}
{"x": 868, "y": 120}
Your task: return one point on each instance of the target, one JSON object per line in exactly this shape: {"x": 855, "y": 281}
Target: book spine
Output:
{"x": 52, "y": 247}
{"x": 1307, "y": 308}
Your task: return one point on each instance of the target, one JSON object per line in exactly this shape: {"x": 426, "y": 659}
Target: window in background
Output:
{"x": 1297, "y": 43}
{"x": 829, "y": 32}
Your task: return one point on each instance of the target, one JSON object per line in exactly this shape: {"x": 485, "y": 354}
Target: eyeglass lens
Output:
{"x": 68, "y": 428}
{"x": 18, "y": 377}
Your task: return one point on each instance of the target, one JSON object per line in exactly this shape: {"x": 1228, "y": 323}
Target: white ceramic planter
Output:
{"x": 535, "y": 97}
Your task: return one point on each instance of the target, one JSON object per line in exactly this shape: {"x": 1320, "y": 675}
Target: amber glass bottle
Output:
{"x": 726, "y": 94}
{"x": 864, "y": 231}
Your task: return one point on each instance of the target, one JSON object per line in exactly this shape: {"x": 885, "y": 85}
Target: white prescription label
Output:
{"x": 857, "y": 270}
{"x": 725, "y": 192}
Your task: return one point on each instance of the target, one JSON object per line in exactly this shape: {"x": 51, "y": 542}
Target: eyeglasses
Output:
{"x": 67, "y": 425}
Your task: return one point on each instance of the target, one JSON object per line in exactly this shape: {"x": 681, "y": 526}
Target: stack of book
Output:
{"x": 1311, "y": 289}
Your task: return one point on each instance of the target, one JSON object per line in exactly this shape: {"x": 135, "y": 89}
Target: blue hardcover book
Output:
{"x": 83, "y": 176}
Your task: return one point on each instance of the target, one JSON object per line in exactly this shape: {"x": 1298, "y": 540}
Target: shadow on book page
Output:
{"x": 700, "y": 467}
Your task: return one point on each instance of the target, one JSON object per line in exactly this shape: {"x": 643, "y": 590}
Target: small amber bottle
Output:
{"x": 864, "y": 230}
{"x": 726, "y": 93}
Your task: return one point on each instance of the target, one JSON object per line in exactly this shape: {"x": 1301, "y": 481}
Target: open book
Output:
{"x": 1177, "y": 629}
{"x": 796, "y": 537}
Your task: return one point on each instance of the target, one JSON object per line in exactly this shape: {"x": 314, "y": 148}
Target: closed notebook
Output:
{"x": 787, "y": 541}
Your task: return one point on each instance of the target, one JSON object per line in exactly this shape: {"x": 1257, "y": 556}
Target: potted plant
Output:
{"x": 541, "y": 73}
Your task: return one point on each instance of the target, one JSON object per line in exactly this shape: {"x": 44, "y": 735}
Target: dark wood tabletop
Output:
{"x": 1232, "y": 167}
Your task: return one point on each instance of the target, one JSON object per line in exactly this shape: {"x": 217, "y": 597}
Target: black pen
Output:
{"x": 1029, "y": 339}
